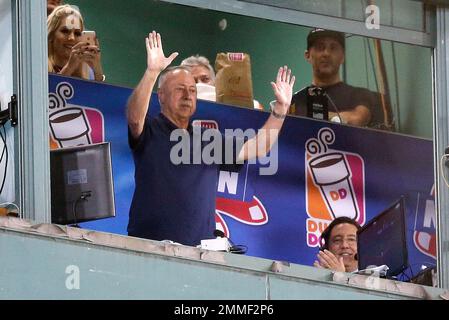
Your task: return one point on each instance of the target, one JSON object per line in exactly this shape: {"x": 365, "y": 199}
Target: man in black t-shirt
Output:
{"x": 346, "y": 104}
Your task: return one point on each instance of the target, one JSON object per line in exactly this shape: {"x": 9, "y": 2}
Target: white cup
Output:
{"x": 330, "y": 172}
{"x": 69, "y": 127}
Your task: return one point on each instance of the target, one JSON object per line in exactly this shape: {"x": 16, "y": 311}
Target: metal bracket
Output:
{"x": 12, "y": 106}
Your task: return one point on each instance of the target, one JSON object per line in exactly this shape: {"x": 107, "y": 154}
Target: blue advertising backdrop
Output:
{"x": 324, "y": 170}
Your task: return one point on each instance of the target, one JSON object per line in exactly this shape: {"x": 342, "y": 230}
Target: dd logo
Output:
{"x": 339, "y": 194}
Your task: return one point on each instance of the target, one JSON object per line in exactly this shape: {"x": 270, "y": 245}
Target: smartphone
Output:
{"x": 89, "y": 37}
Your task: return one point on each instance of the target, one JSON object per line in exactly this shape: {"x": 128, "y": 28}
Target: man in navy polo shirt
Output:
{"x": 177, "y": 201}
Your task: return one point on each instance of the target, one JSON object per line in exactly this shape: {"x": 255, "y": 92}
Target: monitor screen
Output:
{"x": 383, "y": 241}
{"x": 81, "y": 184}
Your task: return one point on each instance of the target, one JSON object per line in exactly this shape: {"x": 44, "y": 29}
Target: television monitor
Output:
{"x": 382, "y": 241}
{"x": 81, "y": 184}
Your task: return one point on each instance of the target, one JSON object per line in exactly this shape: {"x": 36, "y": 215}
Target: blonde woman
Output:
{"x": 52, "y": 4}
{"x": 67, "y": 54}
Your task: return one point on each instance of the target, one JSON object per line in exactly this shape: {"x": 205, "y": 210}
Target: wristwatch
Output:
{"x": 277, "y": 115}
{"x": 336, "y": 119}
{"x": 274, "y": 113}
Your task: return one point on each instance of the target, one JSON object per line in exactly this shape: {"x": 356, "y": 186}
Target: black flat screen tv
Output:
{"x": 81, "y": 184}
{"x": 382, "y": 241}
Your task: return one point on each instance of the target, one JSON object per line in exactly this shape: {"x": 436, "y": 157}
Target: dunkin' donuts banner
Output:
{"x": 321, "y": 171}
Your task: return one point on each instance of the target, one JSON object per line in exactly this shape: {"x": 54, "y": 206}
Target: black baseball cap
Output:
{"x": 318, "y": 33}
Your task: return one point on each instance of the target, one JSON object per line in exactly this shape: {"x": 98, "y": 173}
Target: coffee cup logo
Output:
{"x": 70, "y": 127}
{"x": 334, "y": 185}
{"x": 330, "y": 172}
{"x": 70, "y": 124}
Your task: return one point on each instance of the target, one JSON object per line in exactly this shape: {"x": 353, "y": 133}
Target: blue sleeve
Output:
{"x": 136, "y": 143}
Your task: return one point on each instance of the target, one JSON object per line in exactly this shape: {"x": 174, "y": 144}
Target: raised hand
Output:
{"x": 156, "y": 60}
{"x": 140, "y": 98}
{"x": 93, "y": 59}
{"x": 283, "y": 89}
{"x": 76, "y": 57}
{"x": 328, "y": 260}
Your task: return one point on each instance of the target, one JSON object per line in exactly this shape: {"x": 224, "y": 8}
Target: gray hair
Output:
{"x": 165, "y": 72}
{"x": 198, "y": 60}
